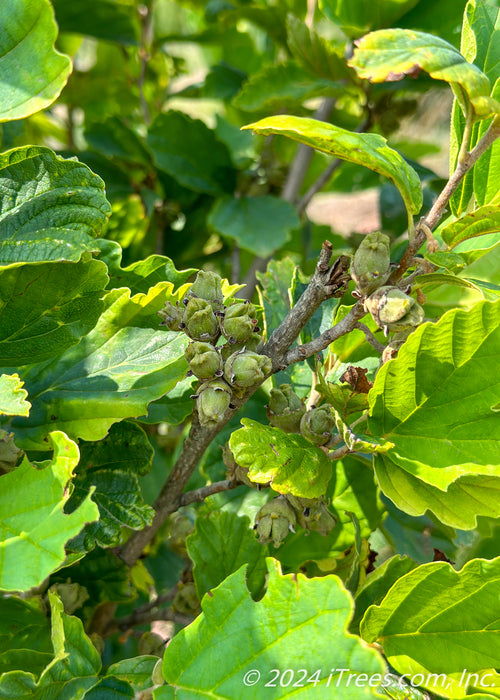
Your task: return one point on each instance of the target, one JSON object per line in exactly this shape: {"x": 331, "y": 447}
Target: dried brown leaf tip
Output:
{"x": 356, "y": 378}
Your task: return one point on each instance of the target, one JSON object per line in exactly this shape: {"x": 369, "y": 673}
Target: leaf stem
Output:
{"x": 438, "y": 208}
{"x": 205, "y": 491}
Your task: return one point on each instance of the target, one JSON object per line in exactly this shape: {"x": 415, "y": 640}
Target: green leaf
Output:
{"x": 50, "y": 208}
{"x": 37, "y": 71}
{"x": 258, "y": 224}
{"x": 370, "y": 150}
{"x": 391, "y": 54}
{"x": 140, "y": 276}
{"x": 356, "y": 18}
{"x": 109, "y": 469}
{"x": 277, "y": 632}
{"x": 459, "y": 506}
{"x": 482, "y": 221}
{"x": 110, "y": 688}
{"x": 47, "y": 308}
{"x": 316, "y": 54}
{"x": 112, "y": 20}
{"x": 360, "y": 443}
{"x": 113, "y": 373}
{"x": 13, "y": 396}
{"x": 76, "y": 661}
{"x": 277, "y": 85}
{"x": 136, "y": 671}
{"x": 486, "y": 173}
{"x": 189, "y": 151}
{"x": 440, "y": 278}
{"x": 481, "y": 37}
{"x": 353, "y": 490}
{"x": 34, "y": 528}
{"x": 220, "y": 544}
{"x": 274, "y": 291}
{"x": 377, "y": 584}
{"x": 436, "y": 400}
{"x": 24, "y": 636}
{"x": 435, "y": 607}
{"x": 288, "y": 461}
{"x": 113, "y": 138}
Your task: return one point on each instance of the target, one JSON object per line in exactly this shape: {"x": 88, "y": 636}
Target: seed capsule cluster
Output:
{"x": 287, "y": 411}
{"x": 224, "y": 369}
{"x": 390, "y": 307}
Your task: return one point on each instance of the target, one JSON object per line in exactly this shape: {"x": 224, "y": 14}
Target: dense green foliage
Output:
{"x": 237, "y": 461}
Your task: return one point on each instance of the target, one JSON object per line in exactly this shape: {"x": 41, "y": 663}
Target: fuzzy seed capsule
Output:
{"x": 245, "y": 368}
{"x": 239, "y": 322}
{"x": 200, "y": 321}
{"x": 212, "y": 402}
{"x": 172, "y": 316}
{"x": 207, "y": 286}
{"x": 285, "y": 409}
{"x": 371, "y": 265}
{"x": 203, "y": 359}
{"x": 393, "y": 310}
{"x": 274, "y": 521}
{"x": 317, "y": 425}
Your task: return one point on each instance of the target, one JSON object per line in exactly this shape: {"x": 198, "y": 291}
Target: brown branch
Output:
{"x": 370, "y": 337}
{"x": 344, "y": 326}
{"x": 326, "y": 282}
{"x": 438, "y": 208}
{"x": 205, "y": 491}
{"x": 168, "y": 501}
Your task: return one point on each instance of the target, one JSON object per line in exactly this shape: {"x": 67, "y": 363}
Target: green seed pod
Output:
{"x": 313, "y": 514}
{"x": 317, "y": 425}
{"x": 252, "y": 343}
{"x": 235, "y": 472}
{"x": 172, "y": 316}
{"x": 72, "y": 595}
{"x": 186, "y": 600}
{"x": 204, "y": 360}
{"x": 207, "y": 286}
{"x": 285, "y": 409}
{"x": 371, "y": 264}
{"x": 245, "y": 368}
{"x": 151, "y": 644}
{"x": 274, "y": 521}
{"x": 239, "y": 322}
{"x": 200, "y": 321}
{"x": 212, "y": 401}
{"x": 393, "y": 310}
{"x": 10, "y": 454}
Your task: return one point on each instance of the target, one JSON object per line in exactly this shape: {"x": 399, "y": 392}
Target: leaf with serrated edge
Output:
{"x": 391, "y": 54}
{"x": 28, "y": 32}
{"x": 433, "y": 608}
{"x": 110, "y": 468}
{"x": 220, "y": 544}
{"x": 459, "y": 506}
{"x": 47, "y": 308}
{"x": 51, "y": 208}
{"x": 291, "y": 463}
{"x": 435, "y": 400}
{"x": 370, "y": 150}
{"x": 113, "y": 373}
{"x": 34, "y": 528}
{"x": 13, "y": 396}
{"x": 480, "y": 222}
{"x": 276, "y": 632}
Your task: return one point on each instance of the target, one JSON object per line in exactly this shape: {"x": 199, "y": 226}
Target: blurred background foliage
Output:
{"x": 160, "y": 90}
